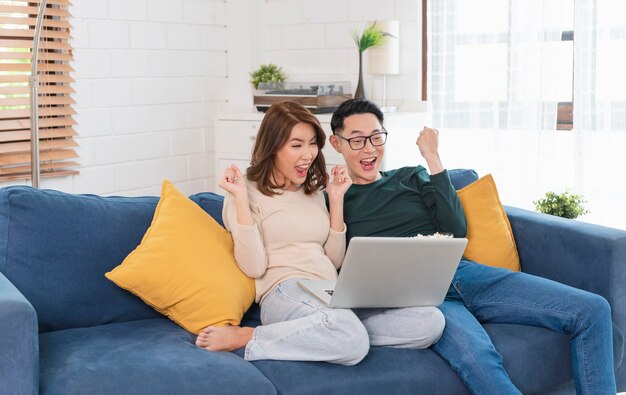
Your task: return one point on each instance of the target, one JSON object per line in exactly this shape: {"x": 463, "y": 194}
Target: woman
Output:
{"x": 283, "y": 232}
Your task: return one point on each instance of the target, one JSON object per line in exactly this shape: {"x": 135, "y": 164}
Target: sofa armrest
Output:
{"x": 586, "y": 256}
{"x": 19, "y": 342}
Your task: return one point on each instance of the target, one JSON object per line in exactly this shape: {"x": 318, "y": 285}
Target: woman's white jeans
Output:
{"x": 298, "y": 327}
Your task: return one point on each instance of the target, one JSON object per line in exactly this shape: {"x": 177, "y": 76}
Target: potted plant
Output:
{"x": 566, "y": 205}
{"x": 269, "y": 73}
{"x": 372, "y": 35}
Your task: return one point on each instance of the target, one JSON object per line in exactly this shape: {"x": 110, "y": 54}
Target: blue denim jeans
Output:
{"x": 483, "y": 294}
{"x": 298, "y": 327}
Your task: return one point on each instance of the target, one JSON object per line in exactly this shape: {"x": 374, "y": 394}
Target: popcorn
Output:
{"x": 435, "y": 235}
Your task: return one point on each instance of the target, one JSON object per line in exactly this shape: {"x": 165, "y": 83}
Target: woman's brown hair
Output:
{"x": 274, "y": 132}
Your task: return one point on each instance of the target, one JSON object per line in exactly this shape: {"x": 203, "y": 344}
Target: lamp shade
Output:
{"x": 385, "y": 59}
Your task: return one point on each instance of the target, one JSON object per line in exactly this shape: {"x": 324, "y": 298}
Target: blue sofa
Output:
{"x": 65, "y": 329}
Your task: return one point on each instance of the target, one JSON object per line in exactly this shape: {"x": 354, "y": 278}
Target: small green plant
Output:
{"x": 564, "y": 205}
{"x": 371, "y": 37}
{"x": 267, "y": 73}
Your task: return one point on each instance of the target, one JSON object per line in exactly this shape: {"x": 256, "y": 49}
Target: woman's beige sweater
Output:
{"x": 291, "y": 239}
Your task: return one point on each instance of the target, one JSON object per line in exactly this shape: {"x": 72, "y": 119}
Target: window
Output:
{"x": 503, "y": 64}
{"x": 600, "y": 61}
{"x": 57, "y": 154}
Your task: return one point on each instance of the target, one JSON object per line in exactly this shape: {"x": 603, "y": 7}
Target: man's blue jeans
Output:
{"x": 483, "y": 294}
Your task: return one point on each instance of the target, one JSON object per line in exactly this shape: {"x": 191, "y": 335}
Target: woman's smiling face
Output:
{"x": 295, "y": 157}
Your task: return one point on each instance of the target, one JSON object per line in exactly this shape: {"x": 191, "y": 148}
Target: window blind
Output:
{"x": 56, "y": 133}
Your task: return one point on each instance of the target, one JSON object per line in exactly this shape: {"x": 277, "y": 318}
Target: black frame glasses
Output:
{"x": 376, "y": 139}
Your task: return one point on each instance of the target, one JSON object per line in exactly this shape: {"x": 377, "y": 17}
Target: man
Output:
{"x": 408, "y": 201}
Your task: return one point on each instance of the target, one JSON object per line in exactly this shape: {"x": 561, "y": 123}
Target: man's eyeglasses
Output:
{"x": 357, "y": 143}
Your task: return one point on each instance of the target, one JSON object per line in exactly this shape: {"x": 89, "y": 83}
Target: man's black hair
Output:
{"x": 351, "y": 107}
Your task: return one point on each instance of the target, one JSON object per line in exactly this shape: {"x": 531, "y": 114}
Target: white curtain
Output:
{"x": 496, "y": 63}
{"x": 498, "y": 68}
{"x": 600, "y": 65}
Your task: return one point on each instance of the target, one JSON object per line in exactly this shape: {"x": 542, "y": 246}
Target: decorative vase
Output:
{"x": 360, "y": 89}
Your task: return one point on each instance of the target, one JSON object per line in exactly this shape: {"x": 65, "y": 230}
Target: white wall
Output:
{"x": 150, "y": 77}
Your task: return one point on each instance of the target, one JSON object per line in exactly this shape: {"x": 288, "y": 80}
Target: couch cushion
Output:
{"x": 536, "y": 359}
{"x": 211, "y": 203}
{"x": 185, "y": 268}
{"x": 252, "y": 317}
{"x": 55, "y": 248}
{"x": 148, "y": 357}
{"x": 383, "y": 371}
{"x": 491, "y": 240}
{"x": 461, "y": 178}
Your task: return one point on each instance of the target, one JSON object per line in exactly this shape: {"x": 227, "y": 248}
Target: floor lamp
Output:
{"x": 34, "y": 99}
{"x": 385, "y": 59}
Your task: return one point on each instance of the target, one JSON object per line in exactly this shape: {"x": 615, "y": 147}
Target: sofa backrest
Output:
{"x": 461, "y": 178}
{"x": 55, "y": 248}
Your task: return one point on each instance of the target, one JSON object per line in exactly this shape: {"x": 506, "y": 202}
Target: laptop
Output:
{"x": 391, "y": 272}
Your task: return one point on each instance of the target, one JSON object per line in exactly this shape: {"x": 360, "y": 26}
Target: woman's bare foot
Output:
{"x": 224, "y": 338}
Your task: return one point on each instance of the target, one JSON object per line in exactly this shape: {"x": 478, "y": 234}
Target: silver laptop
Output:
{"x": 391, "y": 272}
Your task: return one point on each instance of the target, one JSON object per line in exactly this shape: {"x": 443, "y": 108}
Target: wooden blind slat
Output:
{"x": 17, "y": 33}
{"x": 43, "y": 112}
{"x": 25, "y": 170}
{"x": 17, "y": 9}
{"x": 16, "y": 55}
{"x": 57, "y": 2}
{"x": 23, "y": 67}
{"x": 45, "y": 33}
{"x": 46, "y": 174}
{"x": 24, "y": 146}
{"x": 14, "y": 90}
{"x": 20, "y": 101}
{"x": 43, "y": 101}
{"x": 44, "y": 89}
{"x": 54, "y": 67}
{"x": 46, "y": 78}
{"x": 44, "y": 166}
{"x": 16, "y": 124}
{"x": 564, "y": 113}
{"x": 54, "y": 171}
{"x": 43, "y": 67}
{"x": 22, "y": 20}
{"x": 16, "y": 159}
{"x": 61, "y": 45}
{"x": 43, "y": 134}
{"x": 49, "y": 56}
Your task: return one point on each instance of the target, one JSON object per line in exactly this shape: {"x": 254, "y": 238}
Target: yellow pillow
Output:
{"x": 184, "y": 267}
{"x": 489, "y": 231}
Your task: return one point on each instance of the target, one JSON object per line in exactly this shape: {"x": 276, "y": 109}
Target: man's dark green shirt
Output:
{"x": 404, "y": 202}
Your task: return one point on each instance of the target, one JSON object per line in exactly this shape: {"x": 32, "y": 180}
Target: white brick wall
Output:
{"x": 150, "y": 77}
{"x": 152, "y": 74}
{"x": 144, "y": 35}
